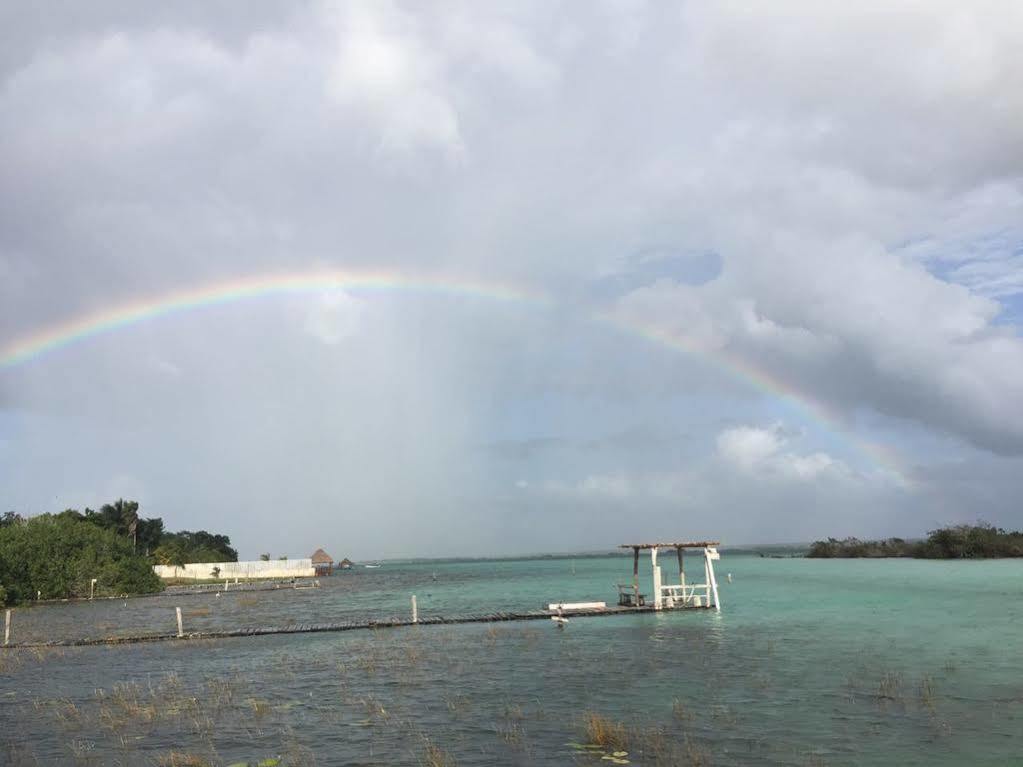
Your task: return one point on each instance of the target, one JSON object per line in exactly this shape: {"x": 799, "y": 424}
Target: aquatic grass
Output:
{"x": 513, "y": 734}
{"x": 925, "y": 693}
{"x": 182, "y": 759}
{"x": 680, "y": 711}
{"x": 68, "y": 713}
{"x": 81, "y": 748}
{"x": 457, "y": 705}
{"x": 668, "y": 748}
{"x": 435, "y": 756}
{"x": 260, "y": 708}
{"x": 220, "y": 692}
{"x": 889, "y": 688}
{"x": 605, "y": 732}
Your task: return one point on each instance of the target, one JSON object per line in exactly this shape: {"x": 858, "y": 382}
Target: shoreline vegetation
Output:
{"x": 979, "y": 541}
{"x": 95, "y": 553}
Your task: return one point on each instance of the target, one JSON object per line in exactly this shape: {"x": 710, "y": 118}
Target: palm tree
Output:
{"x": 130, "y": 517}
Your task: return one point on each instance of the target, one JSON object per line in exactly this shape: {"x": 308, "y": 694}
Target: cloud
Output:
{"x": 821, "y": 195}
{"x": 846, "y": 324}
{"x": 384, "y": 66}
{"x": 332, "y": 316}
{"x": 762, "y": 452}
{"x": 747, "y": 446}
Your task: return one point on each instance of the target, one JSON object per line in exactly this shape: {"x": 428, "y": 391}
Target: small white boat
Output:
{"x": 371, "y": 566}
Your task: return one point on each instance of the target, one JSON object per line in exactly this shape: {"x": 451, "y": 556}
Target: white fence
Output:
{"x": 276, "y": 568}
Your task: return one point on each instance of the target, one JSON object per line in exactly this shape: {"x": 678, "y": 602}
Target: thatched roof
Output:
{"x": 321, "y": 557}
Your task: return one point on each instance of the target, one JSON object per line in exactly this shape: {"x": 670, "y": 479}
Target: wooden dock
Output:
{"x": 316, "y": 628}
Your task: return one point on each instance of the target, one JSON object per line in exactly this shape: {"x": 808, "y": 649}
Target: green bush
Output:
{"x": 980, "y": 541}
{"x": 56, "y": 557}
{"x": 3, "y": 596}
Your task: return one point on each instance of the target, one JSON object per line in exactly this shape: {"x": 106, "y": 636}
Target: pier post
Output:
{"x": 657, "y": 578}
{"x": 415, "y": 610}
{"x": 7, "y": 628}
{"x": 181, "y": 631}
{"x": 711, "y": 578}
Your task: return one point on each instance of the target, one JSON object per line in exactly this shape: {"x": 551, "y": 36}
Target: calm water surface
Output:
{"x": 811, "y": 662}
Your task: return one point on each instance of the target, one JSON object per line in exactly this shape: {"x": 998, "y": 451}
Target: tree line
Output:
{"x": 979, "y": 541}
{"x": 57, "y": 556}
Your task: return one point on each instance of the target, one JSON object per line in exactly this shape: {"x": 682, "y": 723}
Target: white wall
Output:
{"x": 275, "y": 568}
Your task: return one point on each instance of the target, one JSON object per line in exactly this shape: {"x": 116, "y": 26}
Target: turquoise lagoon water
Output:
{"x": 810, "y": 662}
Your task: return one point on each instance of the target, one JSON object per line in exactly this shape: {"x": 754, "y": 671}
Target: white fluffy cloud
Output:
{"x": 333, "y": 315}
{"x": 763, "y": 452}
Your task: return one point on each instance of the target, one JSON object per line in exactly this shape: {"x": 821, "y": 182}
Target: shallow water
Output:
{"x": 810, "y": 662}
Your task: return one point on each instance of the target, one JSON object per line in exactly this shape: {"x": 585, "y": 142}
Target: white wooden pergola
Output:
{"x": 673, "y": 595}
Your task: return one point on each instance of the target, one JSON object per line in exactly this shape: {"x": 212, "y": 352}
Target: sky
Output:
{"x": 520, "y": 277}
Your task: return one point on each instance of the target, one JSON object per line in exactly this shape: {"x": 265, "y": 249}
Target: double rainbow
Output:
{"x": 83, "y": 327}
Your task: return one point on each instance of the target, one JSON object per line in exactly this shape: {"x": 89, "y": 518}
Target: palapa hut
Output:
{"x": 323, "y": 563}
{"x": 345, "y": 564}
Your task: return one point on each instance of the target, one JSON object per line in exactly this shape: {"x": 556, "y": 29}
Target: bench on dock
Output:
{"x": 629, "y": 597}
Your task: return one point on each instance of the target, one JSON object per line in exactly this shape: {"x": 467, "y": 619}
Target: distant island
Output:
{"x": 980, "y": 541}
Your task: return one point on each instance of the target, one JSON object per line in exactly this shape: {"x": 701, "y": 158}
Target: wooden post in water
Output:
{"x": 181, "y": 631}
{"x": 7, "y": 628}
{"x": 415, "y": 610}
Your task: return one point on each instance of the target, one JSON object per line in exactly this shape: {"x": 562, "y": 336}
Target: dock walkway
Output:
{"x": 314, "y": 628}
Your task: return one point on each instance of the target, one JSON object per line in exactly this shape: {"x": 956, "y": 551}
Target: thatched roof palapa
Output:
{"x": 321, "y": 557}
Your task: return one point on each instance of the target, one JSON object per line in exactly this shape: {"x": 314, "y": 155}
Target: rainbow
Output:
{"x": 83, "y": 327}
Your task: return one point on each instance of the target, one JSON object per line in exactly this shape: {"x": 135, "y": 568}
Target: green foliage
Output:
{"x": 58, "y": 555}
{"x": 148, "y": 536}
{"x": 10, "y": 518}
{"x": 3, "y": 596}
{"x": 854, "y": 548}
{"x": 201, "y": 546}
{"x": 980, "y": 541}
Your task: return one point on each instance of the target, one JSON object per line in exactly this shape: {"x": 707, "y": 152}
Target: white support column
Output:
{"x": 181, "y": 631}
{"x": 710, "y": 555}
{"x": 658, "y": 602}
{"x": 415, "y": 610}
{"x": 706, "y": 578}
{"x": 7, "y": 628}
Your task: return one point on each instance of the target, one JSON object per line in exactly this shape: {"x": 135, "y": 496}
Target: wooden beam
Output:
{"x": 671, "y": 545}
